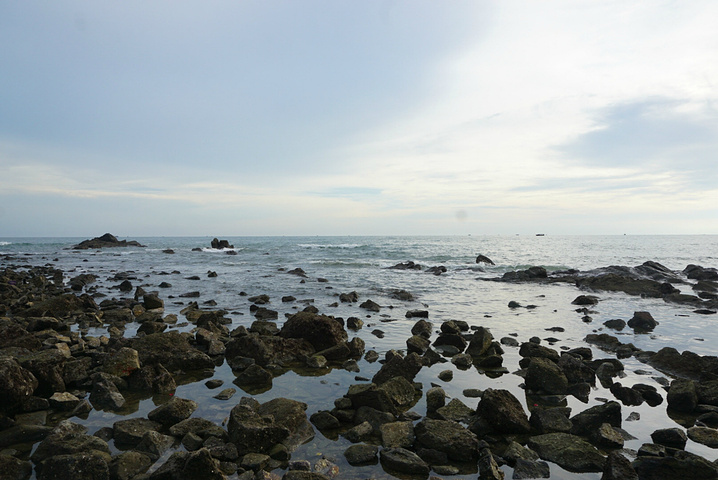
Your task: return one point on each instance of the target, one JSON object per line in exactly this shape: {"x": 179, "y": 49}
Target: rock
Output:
{"x": 544, "y": 376}
{"x": 127, "y": 465}
{"x": 462, "y": 360}
{"x": 226, "y": 394}
{"x": 153, "y": 301}
{"x": 370, "y": 305}
{"x": 435, "y": 399}
{"x": 449, "y": 437}
{"x": 359, "y": 432}
{"x": 616, "y": 324}
{"x": 488, "y": 468}
{"x": 618, "y": 468}
{"x": 550, "y": 420}
{"x": 406, "y": 367}
{"x": 218, "y": 244}
{"x": 172, "y": 412}
{"x": 409, "y": 265}
{"x": 480, "y": 342}
{"x": 531, "y": 469}
{"x": 361, "y": 454}
{"x": 681, "y": 465}
{"x": 23, "y": 434}
{"x": 417, "y": 344}
{"x": 422, "y": 328}
{"x": 682, "y": 395}
{"x": 320, "y": 331}
{"x": 397, "y": 434}
{"x": 354, "y": 323}
{"x": 154, "y": 444}
{"x": 455, "y": 410}
{"x": 78, "y": 466}
{"x": 403, "y": 461}
{"x": 14, "y": 468}
{"x": 63, "y": 401}
{"x": 172, "y": 350}
{"x": 16, "y": 383}
{"x": 106, "y": 396}
{"x": 642, "y": 322}
{"x": 705, "y": 435}
{"x": 129, "y": 433}
{"x": 503, "y": 412}
{"x": 324, "y": 420}
{"x": 417, "y": 314}
{"x": 592, "y": 418}
{"x": 585, "y": 300}
{"x": 568, "y": 451}
{"x": 531, "y": 349}
{"x": 670, "y": 437}
{"x": 608, "y": 437}
{"x": 122, "y": 362}
{"x": 105, "y": 241}
{"x": 484, "y": 259}
{"x": 255, "y": 461}
{"x": 686, "y": 364}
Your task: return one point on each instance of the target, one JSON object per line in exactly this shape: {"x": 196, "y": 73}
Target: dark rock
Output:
{"x": 642, "y": 322}
{"x": 592, "y": 418}
{"x": 417, "y": 314}
{"x": 618, "y": 468}
{"x": 682, "y": 395}
{"x": 397, "y": 434}
{"x": 403, "y": 461}
{"x": 585, "y": 300}
{"x": 449, "y": 437}
{"x": 484, "y": 259}
{"x": 544, "y": 376}
{"x": 681, "y": 465}
{"x": 370, "y": 305}
{"x": 129, "y": 433}
{"x": 550, "y": 420}
{"x": 16, "y": 383}
{"x": 105, "y": 241}
{"x": 531, "y": 469}
{"x": 568, "y": 451}
{"x": 14, "y": 468}
{"x": 615, "y": 324}
{"x": 406, "y": 367}
{"x": 172, "y": 350}
{"x": 670, "y": 437}
{"x": 253, "y": 375}
{"x": 319, "y": 330}
{"x": 78, "y": 466}
{"x": 361, "y": 454}
{"x": 704, "y": 435}
{"x": 127, "y": 465}
{"x": 503, "y": 412}
{"x": 172, "y": 412}
{"x": 409, "y": 265}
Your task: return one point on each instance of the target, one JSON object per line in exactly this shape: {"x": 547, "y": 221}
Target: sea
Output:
{"x": 465, "y": 291}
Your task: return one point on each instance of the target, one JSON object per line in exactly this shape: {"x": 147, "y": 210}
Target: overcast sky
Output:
{"x": 350, "y": 117}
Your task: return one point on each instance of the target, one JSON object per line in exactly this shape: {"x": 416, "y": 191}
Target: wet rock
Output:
{"x": 550, "y": 420}
{"x": 480, "y": 342}
{"x": 568, "y": 451}
{"x": 320, "y": 331}
{"x": 592, "y": 418}
{"x": 154, "y": 444}
{"x": 14, "y": 468}
{"x": 324, "y": 420}
{"x": 503, "y": 412}
{"x": 127, "y": 465}
{"x": 172, "y": 412}
{"x": 417, "y": 314}
{"x": 226, "y": 394}
{"x": 23, "y": 434}
{"x": 152, "y": 301}
{"x": 544, "y": 376}
{"x": 704, "y": 435}
{"x": 403, "y": 461}
{"x": 451, "y": 339}
{"x": 105, "y": 241}
{"x": 642, "y": 322}
{"x": 670, "y": 437}
{"x": 220, "y": 244}
{"x": 531, "y": 350}
{"x": 361, "y": 454}
{"x": 618, "y": 468}
{"x": 449, "y": 437}
{"x": 686, "y": 364}
{"x": 172, "y": 350}
{"x": 435, "y": 399}
{"x": 397, "y": 434}
{"x": 122, "y": 362}
{"x": 484, "y": 259}
{"x": 455, "y": 410}
{"x": 105, "y": 395}
{"x": 606, "y": 436}
{"x": 409, "y": 265}
{"x": 129, "y": 433}
{"x": 370, "y": 305}
{"x": 359, "y": 432}
{"x": 530, "y": 469}
{"x": 267, "y": 350}
{"x": 406, "y": 367}
{"x": 488, "y": 468}
{"x": 682, "y": 395}
{"x": 78, "y": 466}
{"x": 680, "y": 465}
{"x": 152, "y": 378}
{"x": 354, "y": 323}
{"x": 627, "y": 396}
{"x": 615, "y": 324}
{"x": 16, "y": 383}
{"x": 585, "y": 300}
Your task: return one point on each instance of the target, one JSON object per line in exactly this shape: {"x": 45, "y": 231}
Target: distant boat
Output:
{"x": 540, "y": 234}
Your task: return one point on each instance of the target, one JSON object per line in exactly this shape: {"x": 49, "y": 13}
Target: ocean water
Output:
{"x": 359, "y": 264}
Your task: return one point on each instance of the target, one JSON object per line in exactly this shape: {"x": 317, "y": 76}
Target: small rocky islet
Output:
{"x": 53, "y": 373}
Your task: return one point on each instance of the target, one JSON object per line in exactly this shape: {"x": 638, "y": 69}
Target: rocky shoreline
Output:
{"x": 50, "y": 368}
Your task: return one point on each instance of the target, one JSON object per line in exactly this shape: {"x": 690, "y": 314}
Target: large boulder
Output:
{"x": 172, "y": 350}
{"x": 568, "y": 451}
{"x": 399, "y": 366}
{"x": 77, "y": 466}
{"x": 105, "y": 241}
{"x": 321, "y": 331}
{"x": 642, "y": 322}
{"x": 265, "y": 350}
{"x": 681, "y": 464}
{"x": 591, "y": 419}
{"x": 172, "y": 412}
{"x": 502, "y": 412}
{"x": 449, "y": 437}
{"x": 544, "y": 376}
{"x": 16, "y": 383}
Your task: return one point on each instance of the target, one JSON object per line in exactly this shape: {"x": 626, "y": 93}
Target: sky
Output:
{"x": 340, "y": 117}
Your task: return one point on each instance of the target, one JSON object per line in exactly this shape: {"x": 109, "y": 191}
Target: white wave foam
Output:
{"x": 2, "y": 244}
{"x": 321, "y": 245}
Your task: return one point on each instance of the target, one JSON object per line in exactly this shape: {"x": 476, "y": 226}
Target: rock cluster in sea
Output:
{"x": 48, "y": 368}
